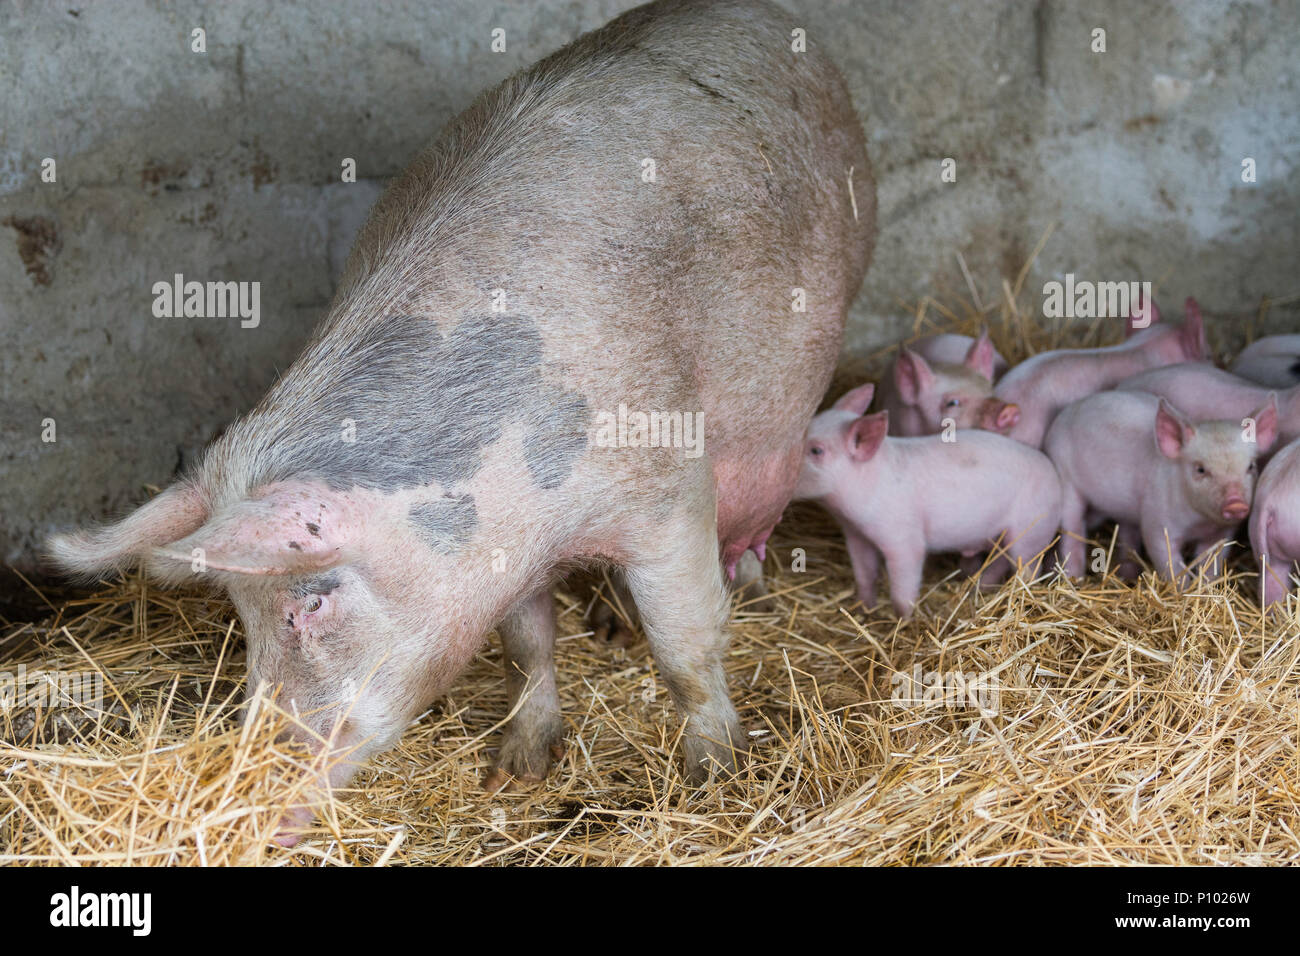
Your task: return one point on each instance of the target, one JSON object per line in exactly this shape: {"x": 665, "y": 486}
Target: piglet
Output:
{"x": 1273, "y": 361}
{"x": 925, "y": 392}
{"x": 1041, "y": 386}
{"x": 902, "y": 498}
{"x": 1275, "y": 523}
{"x": 1135, "y": 458}
{"x": 1205, "y": 392}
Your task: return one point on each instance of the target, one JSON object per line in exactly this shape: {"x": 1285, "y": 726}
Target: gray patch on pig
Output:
{"x": 445, "y": 523}
{"x": 551, "y": 451}
{"x": 425, "y": 406}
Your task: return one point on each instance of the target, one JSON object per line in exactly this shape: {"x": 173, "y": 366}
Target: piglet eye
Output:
{"x": 1200, "y": 470}
{"x": 953, "y": 403}
{"x": 816, "y": 451}
{"x": 313, "y": 604}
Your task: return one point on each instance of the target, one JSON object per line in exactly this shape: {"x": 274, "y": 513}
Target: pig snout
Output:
{"x": 999, "y": 416}
{"x": 1235, "y": 508}
{"x": 289, "y": 832}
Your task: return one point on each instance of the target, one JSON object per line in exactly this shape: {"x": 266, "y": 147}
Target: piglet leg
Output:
{"x": 866, "y": 566}
{"x": 534, "y": 736}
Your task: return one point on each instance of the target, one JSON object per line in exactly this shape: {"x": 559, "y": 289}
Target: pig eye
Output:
{"x": 313, "y": 604}
{"x": 953, "y": 403}
{"x": 1200, "y": 469}
{"x": 816, "y": 450}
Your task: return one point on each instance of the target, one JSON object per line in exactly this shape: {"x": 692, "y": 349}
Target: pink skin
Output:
{"x": 1275, "y": 523}
{"x": 924, "y": 396}
{"x": 1043, "y": 385}
{"x": 953, "y": 349}
{"x": 1271, "y": 361}
{"x": 1133, "y": 457}
{"x": 1204, "y": 393}
{"x": 901, "y": 498}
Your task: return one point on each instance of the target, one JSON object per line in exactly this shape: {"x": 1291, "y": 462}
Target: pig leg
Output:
{"x": 749, "y": 585}
{"x": 676, "y": 581}
{"x": 1029, "y": 547}
{"x": 1211, "y": 555}
{"x": 906, "y": 562}
{"x": 613, "y": 616}
{"x": 534, "y": 736}
{"x": 1274, "y": 578}
{"x": 1128, "y": 542}
{"x": 866, "y": 566}
{"x": 1165, "y": 548}
{"x": 1073, "y": 544}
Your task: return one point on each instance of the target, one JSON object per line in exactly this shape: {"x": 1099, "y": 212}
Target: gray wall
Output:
{"x": 225, "y": 165}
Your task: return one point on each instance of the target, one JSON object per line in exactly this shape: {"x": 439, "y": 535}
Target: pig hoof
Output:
{"x": 708, "y": 760}
{"x": 615, "y": 634}
{"x": 521, "y": 763}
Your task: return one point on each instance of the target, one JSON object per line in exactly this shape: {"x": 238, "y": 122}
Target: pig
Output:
{"x": 1205, "y": 392}
{"x": 1134, "y": 457}
{"x": 1273, "y": 361}
{"x": 955, "y": 349}
{"x": 1275, "y": 523}
{"x": 902, "y": 498}
{"x": 1041, "y": 386}
{"x": 924, "y": 396}
{"x": 461, "y": 428}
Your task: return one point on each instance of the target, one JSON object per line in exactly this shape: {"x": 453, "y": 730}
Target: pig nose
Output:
{"x": 1235, "y": 509}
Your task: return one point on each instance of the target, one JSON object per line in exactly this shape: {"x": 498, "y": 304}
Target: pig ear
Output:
{"x": 1139, "y": 318}
{"x": 1266, "y": 427}
{"x": 866, "y": 435}
{"x": 1173, "y": 431}
{"x": 295, "y": 529}
{"x": 176, "y": 512}
{"x": 912, "y": 376}
{"x": 1192, "y": 334}
{"x": 857, "y": 400}
{"x": 979, "y": 357}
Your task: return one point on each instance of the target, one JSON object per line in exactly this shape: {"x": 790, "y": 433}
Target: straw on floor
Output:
{"x": 1099, "y": 722}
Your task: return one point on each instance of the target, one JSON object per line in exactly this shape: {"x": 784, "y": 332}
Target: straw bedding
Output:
{"x": 1132, "y": 724}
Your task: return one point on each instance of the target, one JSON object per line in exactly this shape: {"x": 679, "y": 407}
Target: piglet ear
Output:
{"x": 289, "y": 528}
{"x": 1143, "y": 314}
{"x": 1192, "y": 334}
{"x": 176, "y": 512}
{"x": 866, "y": 435}
{"x": 912, "y": 376}
{"x": 979, "y": 357}
{"x": 1173, "y": 431}
{"x": 1266, "y": 425}
{"x": 857, "y": 400}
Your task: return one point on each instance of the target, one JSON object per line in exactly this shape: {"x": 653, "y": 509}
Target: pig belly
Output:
{"x": 752, "y": 494}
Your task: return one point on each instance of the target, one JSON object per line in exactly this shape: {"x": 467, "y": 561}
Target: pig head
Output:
{"x": 923, "y": 397}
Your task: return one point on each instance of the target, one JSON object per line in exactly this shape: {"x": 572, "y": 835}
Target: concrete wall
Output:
{"x": 226, "y": 165}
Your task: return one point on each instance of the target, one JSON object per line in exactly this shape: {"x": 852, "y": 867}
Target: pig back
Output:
{"x": 671, "y": 214}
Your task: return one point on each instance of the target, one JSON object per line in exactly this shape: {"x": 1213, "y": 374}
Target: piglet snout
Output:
{"x": 292, "y": 826}
{"x": 1235, "y": 509}
{"x": 999, "y": 416}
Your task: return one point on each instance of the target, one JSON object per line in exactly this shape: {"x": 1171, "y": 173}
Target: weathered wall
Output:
{"x": 225, "y": 165}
